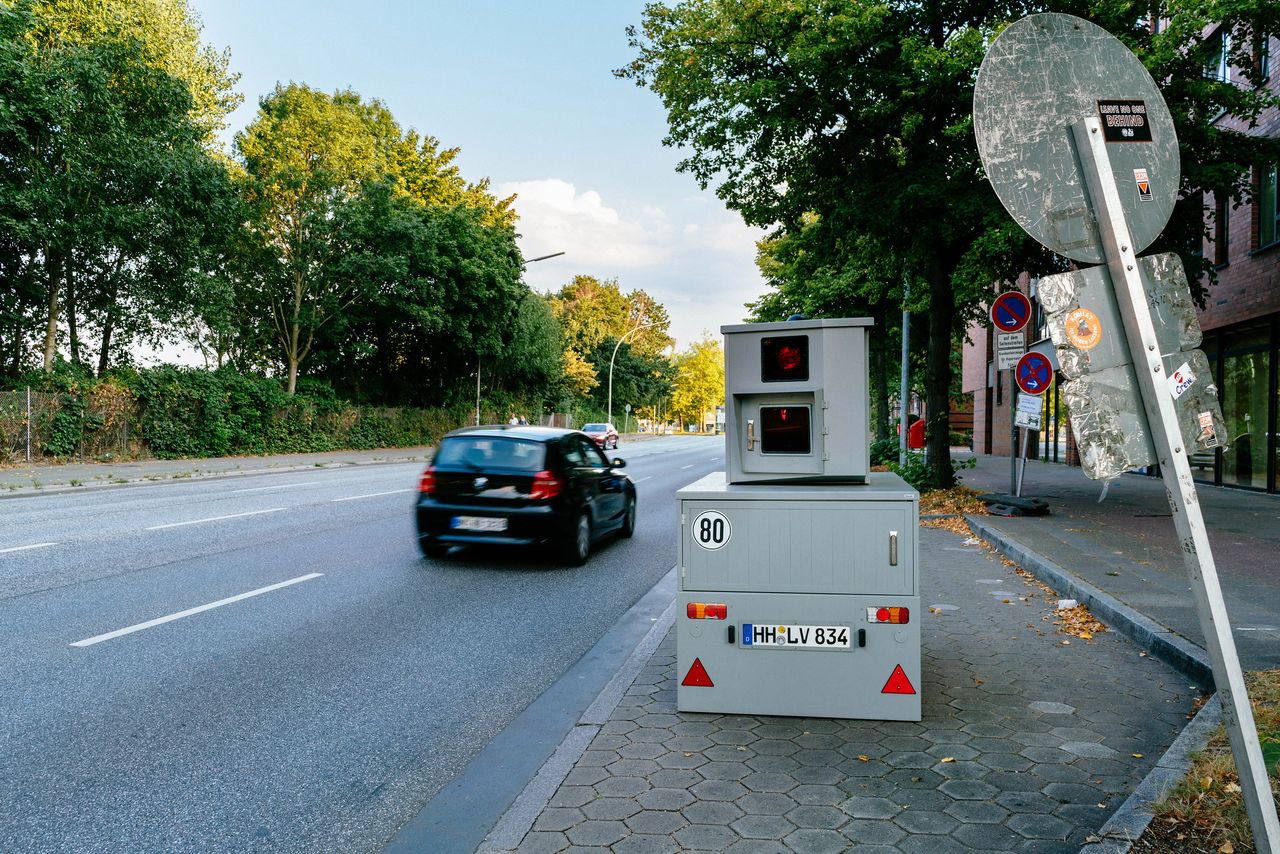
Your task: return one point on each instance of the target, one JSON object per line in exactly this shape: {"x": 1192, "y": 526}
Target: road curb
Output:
{"x": 1129, "y": 822}
{"x": 529, "y": 804}
{"x": 1162, "y": 642}
{"x": 1132, "y": 817}
{"x": 545, "y": 740}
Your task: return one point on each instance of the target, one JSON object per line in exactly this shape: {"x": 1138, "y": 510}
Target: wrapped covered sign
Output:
{"x": 1101, "y": 394}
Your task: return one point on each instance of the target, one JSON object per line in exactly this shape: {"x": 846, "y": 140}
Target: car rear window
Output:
{"x": 595, "y": 428}
{"x": 484, "y": 452}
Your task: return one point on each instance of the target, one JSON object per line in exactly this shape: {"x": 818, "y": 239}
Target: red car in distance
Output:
{"x": 606, "y": 435}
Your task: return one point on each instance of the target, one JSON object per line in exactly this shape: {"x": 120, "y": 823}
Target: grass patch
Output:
{"x": 1205, "y": 812}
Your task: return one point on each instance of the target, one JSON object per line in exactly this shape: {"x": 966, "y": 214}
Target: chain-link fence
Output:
{"x": 38, "y": 425}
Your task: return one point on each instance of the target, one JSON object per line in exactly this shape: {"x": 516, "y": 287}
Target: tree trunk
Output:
{"x": 293, "y": 374}
{"x": 108, "y": 326}
{"x": 880, "y": 372}
{"x": 938, "y": 378}
{"x": 53, "y": 268}
{"x": 72, "y": 327}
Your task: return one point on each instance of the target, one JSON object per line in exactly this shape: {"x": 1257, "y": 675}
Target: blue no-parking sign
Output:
{"x": 1033, "y": 373}
{"x": 1011, "y": 311}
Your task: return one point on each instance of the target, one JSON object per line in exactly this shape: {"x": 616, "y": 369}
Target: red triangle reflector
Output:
{"x": 898, "y": 683}
{"x": 697, "y": 676}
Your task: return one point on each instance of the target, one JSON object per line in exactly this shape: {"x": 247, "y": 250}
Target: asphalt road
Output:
{"x": 339, "y": 683}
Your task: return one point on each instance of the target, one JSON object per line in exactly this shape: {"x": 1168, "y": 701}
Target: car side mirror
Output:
{"x": 619, "y": 463}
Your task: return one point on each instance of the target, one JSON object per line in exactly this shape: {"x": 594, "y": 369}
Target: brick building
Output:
{"x": 1240, "y": 320}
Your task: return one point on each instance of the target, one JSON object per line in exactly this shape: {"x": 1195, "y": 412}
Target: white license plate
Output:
{"x": 478, "y": 523}
{"x": 789, "y": 636}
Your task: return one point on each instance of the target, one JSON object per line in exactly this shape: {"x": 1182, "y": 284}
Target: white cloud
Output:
{"x": 699, "y": 260}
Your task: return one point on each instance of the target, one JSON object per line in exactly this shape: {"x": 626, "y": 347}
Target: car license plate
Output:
{"x": 478, "y": 523}
{"x": 787, "y": 636}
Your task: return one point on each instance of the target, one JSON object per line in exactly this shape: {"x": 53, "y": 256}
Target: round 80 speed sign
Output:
{"x": 711, "y": 529}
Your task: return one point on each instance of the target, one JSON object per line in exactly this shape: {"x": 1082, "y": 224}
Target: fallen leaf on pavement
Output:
{"x": 862, "y": 758}
{"x": 1136, "y": 755}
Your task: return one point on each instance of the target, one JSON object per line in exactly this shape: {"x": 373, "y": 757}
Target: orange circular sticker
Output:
{"x": 1083, "y": 329}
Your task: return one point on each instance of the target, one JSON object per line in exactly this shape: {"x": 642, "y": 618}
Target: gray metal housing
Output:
{"x": 802, "y": 555}
{"x": 834, "y": 393}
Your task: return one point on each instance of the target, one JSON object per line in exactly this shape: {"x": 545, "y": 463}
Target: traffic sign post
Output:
{"x": 1010, "y": 312}
{"x": 1052, "y": 135}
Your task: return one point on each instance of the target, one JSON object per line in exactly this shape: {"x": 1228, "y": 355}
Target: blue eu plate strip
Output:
{"x": 746, "y": 634}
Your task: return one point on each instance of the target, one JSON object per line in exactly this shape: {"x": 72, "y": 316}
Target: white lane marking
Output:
{"x": 643, "y": 479}
{"x": 682, "y": 468}
{"x": 277, "y": 486}
{"x": 371, "y": 495}
{"x": 214, "y": 519}
{"x": 24, "y": 548}
{"x": 196, "y": 610}
{"x": 713, "y": 459}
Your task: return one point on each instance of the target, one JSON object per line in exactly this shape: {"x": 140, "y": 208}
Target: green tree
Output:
{"x": 860, "y": 113}
{"x": 322, "y": 172}
{"x": 110, "y": 191}
{"x": 699, "y": 381}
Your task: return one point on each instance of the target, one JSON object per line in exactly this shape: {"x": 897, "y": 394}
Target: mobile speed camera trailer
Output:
{"x": 799, "y": 567}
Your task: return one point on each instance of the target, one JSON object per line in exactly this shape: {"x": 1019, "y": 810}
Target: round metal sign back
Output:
{"x": 1043, "y": 74}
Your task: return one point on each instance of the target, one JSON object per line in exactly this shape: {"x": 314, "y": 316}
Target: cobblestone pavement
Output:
{"x": 1027, "y": 744}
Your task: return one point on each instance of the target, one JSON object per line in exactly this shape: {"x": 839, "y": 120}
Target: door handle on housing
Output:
{"x": 751, "y": 434}
{"x": 893, "y": 548}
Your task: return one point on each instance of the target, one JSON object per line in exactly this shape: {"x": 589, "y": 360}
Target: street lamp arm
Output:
{"x": 615, "y": 355}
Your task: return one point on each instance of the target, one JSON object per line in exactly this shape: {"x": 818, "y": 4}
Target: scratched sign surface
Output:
{"x": 1107, "y": 414}
{"x": 1043, "y": 74}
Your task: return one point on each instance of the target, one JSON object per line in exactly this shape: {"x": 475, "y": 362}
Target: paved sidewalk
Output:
{"x": 23, "y": 480}
{"x": 1127, "y": 547}
{"x": 1027, "y": 744}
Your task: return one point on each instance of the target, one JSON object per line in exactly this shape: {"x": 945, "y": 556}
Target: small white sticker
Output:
{"x": 711, "y": 529}
{"x": 1181, "y": 380}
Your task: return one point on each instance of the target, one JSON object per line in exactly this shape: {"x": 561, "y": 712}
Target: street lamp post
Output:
{"x": 479, "y": 359}
{"x": 615, "y": 355}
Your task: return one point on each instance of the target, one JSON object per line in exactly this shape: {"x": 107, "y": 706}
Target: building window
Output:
{"x": 1264, "y": 59}
{"x": 1221, "y": 230}
{"x": 1218, "y": 64}
{"x": 1268, "y": 209}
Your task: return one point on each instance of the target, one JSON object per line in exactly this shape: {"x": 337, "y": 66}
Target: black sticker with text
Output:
{"x": 1124, "y": 121}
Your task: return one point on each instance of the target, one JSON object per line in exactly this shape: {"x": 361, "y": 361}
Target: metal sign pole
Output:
{"x": 1013, "y": 432}
{"x": 1022, "y": 470}
{"x": 1175, "y": 468}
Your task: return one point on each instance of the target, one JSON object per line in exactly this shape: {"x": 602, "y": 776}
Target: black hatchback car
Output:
{"x": 517, "y": 485}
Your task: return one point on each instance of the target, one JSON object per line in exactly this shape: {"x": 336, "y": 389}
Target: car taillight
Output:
{"x": 427, "y": 485}
{"x": 545, "y": 485}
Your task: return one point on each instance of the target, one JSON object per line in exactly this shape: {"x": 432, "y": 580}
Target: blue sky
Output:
{"x": 524, "y": 89}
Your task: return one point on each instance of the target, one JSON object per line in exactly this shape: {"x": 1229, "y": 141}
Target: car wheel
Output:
{"x": 628, "y": 519}
{"x": 432, "y": 549}
{"x": 578, "y": 547}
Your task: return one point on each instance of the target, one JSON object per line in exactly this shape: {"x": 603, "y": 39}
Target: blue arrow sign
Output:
{"x": 1033, "y": 373}
{"x": 1011, "y": 311}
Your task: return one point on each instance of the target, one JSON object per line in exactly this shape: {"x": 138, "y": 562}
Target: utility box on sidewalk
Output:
{"x": 799, "y": 599}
